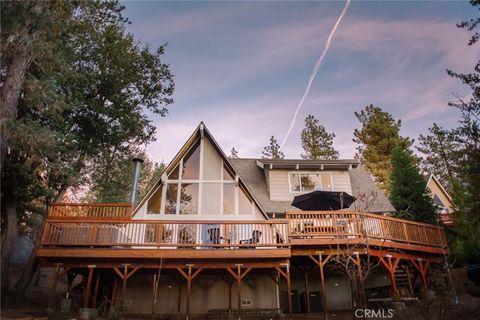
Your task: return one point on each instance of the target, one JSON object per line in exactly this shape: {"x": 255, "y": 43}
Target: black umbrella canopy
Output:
{"x": 323, "y": 200}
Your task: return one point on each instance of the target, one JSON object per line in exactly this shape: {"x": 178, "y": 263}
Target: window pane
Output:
{"x": 211, "y": 198}
{"x": 171, "y": 205}
{"x": 189, "y": 198}
{"x": 228, "y": 198}
{"x": 311, "y": 182}
{"x": 227, "y": 175}
{"x": 294, "y": 182}
{"x": 191, "y": 163}
{"x": 174, "y": 174}
{"x": 244, "y": 204}
{"x": 326, "y": 183}
{"x": 155, "y": 202}
{"x": 212, "y": 163}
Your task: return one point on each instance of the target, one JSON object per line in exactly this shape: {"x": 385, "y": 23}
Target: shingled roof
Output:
{"x": 369, "y": 197}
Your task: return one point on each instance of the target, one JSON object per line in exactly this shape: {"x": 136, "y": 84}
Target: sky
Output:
{"x": 243, "y": 66}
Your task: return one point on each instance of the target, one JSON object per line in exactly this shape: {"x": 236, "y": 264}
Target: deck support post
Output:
{"x": 88, "y": 288}
{"x": 189, "y": 276}
{"x": 70, "y": 278}
{"x": 307, "y": 288}
{"x": 155, "y": 282}
{"x": 239, "y": 276}
{"x": 229, "y": 284}
{"x": 189, "y": 288}
{"x": 422, "y": 267}
{"x": 59, "y": 272}
{"x": 286, "y": 275}
{"x": 54, "y": 284}
{"x": 114, "y": 291}
{"x": 124, "y": 276}
{"x": 391, "y": 264}
{"x": 95, "y": 291}
{"x": 321, "y": 262}
{"x": 239, "y": 290}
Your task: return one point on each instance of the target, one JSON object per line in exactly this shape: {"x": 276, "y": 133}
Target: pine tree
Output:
{"x": 233, "y": 154}
{"x": 272, "y": 151}
{"x": 317, "y": 142}
{"x": 441, "y": 154}
{"x": 409, "y": 194}
{"x": 377, "y": 138}
{"x": 467, "y": 220}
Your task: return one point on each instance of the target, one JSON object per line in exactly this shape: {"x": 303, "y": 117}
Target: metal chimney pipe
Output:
{"x": 136, "y": 177}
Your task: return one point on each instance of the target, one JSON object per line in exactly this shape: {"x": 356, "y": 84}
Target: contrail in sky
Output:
{"x": 315, "y": 69}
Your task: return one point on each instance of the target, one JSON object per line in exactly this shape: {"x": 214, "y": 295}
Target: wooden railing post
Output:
{"x": 405, "y": 232}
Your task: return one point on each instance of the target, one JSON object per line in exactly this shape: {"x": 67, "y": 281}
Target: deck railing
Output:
{"x": 110, "y": 225}
{"x": 350, "y": 225}
{"x": 90, "y": 210}
{"x": 173, "y": 234}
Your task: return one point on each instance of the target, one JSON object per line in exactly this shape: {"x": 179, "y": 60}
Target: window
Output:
{"x": 171, "y": 205}
{"x": 174, "y": 174}
{"x": 306, "y": 182}
{"x": 244, "y": 203}
{"x": 191, "y": 163}
{"x": 189, "y": 198}
{"x": 201, "y": 183}
{"x": 155, "y": 202}
{"x": 212, "y": 163}
{"x": 211, "y": 198}
{"x": 228, "y": 198}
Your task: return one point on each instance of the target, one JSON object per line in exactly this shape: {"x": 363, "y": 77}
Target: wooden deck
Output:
{"x": 81, "y": 231}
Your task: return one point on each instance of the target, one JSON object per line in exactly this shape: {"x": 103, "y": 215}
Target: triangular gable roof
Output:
{"x": 432, "y": 177}
{"x": 199, "y": 132}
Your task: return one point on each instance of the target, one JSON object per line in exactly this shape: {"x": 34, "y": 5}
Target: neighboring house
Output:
{"x": 218, "y": 236}
{"x": 441, "y": 199}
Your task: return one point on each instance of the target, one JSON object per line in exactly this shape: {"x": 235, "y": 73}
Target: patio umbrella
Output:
{"x": 323, "y": 200}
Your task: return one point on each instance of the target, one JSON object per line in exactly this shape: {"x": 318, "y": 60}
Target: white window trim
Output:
{"x": 308, "y": 172}
{"x": 200, "y": 181}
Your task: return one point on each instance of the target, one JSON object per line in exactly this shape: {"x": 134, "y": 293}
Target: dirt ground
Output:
{"x": 430, "y": 306}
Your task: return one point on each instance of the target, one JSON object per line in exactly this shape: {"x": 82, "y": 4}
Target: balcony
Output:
{"x": 88, "y": 231}
{"x": 107, "y": 231}
{"x": 342, "y": 227}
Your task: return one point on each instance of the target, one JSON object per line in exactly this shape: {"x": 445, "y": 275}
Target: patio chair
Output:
{"x": 256, "y": 234}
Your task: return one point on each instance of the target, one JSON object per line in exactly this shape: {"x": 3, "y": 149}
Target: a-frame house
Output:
{"x": 217, "y": 236}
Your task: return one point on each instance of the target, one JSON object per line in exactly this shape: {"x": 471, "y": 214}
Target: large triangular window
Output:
{"x": 201, "y": 184}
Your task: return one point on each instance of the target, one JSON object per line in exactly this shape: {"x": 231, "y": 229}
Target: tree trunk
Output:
{"x": 11, "y": 230}
{"x": 27, "y": 275}
{"x": 12, "y": 88}
{"x": 31, "y": 267}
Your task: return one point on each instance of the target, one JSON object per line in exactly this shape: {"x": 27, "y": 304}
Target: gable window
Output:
{"x": 310, "y": 181}
{"x": 155, "y": 203}
{"x": 201, "y": 183}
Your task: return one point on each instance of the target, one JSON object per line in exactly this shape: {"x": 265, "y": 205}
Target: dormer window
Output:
{"x": 309, "y": 181}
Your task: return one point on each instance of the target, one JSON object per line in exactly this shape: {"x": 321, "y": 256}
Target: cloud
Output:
{"x": 245, "y": 82}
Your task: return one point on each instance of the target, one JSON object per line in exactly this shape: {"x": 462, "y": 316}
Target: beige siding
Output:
{"x": 279, "y": 184}
{"x": 436, "y": 190}
{"x": 208, "y": 292}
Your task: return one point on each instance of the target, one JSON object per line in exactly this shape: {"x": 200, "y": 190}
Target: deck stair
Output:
{"x": 403, "y": 281}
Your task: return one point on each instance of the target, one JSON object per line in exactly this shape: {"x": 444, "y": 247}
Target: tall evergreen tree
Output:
{"x": 272, "y": 151}
{"x": 316, "y": 141}
{"x": 233, "y": 153}
{"x": 441, "y": 154}
{"x": 110, "y": 178}
{"x": 377, "y": 137}
{"x": 467, "y": 221}
{"x": 408, "y": 193}
{"x": 84, "y": 86}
